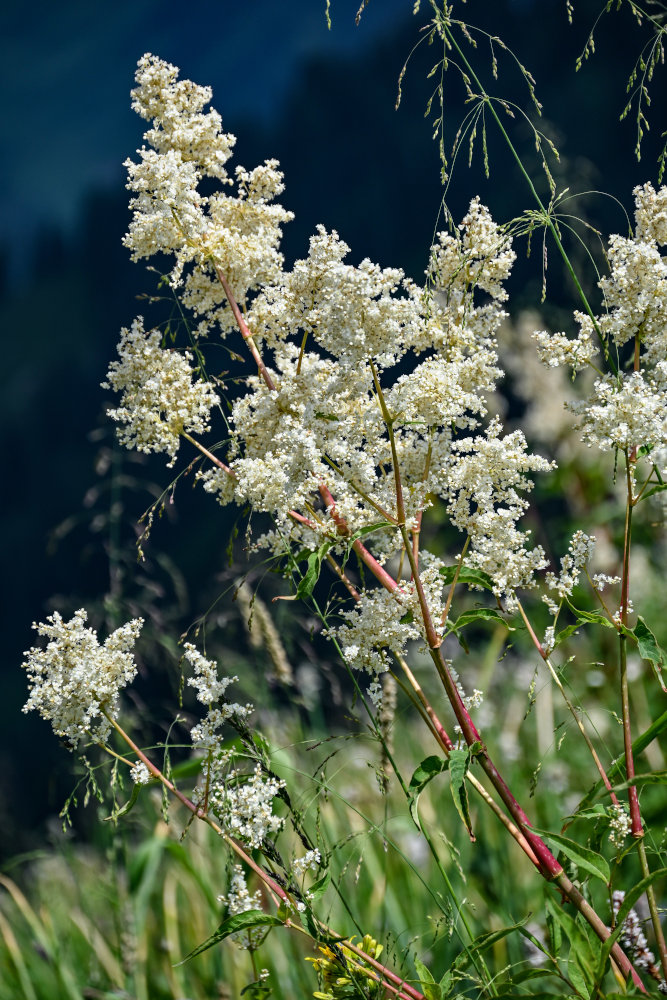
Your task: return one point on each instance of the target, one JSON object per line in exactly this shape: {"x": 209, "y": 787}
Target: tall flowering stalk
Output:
{"x": 367, "y": 406}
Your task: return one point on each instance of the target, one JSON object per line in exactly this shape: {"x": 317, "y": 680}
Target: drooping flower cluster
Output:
{"x": 310, "y": 861}
{"x": 74, "y": 681}
{"x": 242, "y": 803}
{"x": 633, "y": 940}
{"x": 578, "y": 555}
{"x": 211, "y": 692}
{"x": 625, "y": 411}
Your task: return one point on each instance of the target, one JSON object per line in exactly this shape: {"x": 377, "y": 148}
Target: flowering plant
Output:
{"x": 367, "y": 408}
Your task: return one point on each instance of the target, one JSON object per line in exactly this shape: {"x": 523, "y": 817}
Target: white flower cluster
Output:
{"x": 579, "y": 553}
{"x": 484, "y": 501}
{"x": 239, "y": 900}
{"x": 140, "y": 774}
{"x": 239, "y": 234}
{"x": 625, "y": 410}
{"x": 75, "y": 681}
{"x": 619, "y": 825}
{"x": 310, "y": 860}
{"x": 160, "y": 397}
{"x": 244, "y": 806}
{"x": 211, "y": 689}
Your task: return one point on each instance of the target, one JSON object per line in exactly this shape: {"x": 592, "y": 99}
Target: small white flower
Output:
{"x": 619, "y": 825}
{"x": 140, "y": 774}
{"x": 310, "y": 860}
{"x": 160, "y": 397}
{"x": 75, "y": 681}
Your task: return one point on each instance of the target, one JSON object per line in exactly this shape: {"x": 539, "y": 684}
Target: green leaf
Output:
{"x": 432, "y": 990}
{"x": 256, "y": 991}
{"x": 589, "y": 617}
{"x": 318, "y": 888}
{"x": 376, "y": 526}
{"x": 555, "y": 935}
{"x": 312, "y": 574}
{"x": 425, "y": 772}
{"x": 654, "y": 489}
{"x": 484, "y": 941}
{"x": 566, "y": 633}
{"x": 583, "y": 857}
{"x": 238, "y": 922}
{"x": 649, "y": 649}
{"x": 476, "y": 614}
{"x": 124, "y": 810}
{"x": 473, "y": 577}
{"x": 459, "y": 762}
{"x": 581, "y": 958}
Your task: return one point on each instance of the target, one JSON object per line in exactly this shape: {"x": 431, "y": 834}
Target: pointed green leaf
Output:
{"x": 432, "y": 990}
{"x": 318, "y": 888}
{"x": 584, "y": 858}
{"x": 484, "y": 941}
{"x": 582, "y": 955}
{"x": 474, "y": 577}
{"x": 312, "y": 574}
{"x": 124, "y": 810}
{"x": 589, "y": 617}
{"x": 459, "y": 761}
{"x": 238, "y": 922}
{"x": 654, "y": 489}
{"x": 376, "y": 526}
{"x": 649, "y": 649}
{"x": 425, "y": 772}
{"x": 485, "y": 614}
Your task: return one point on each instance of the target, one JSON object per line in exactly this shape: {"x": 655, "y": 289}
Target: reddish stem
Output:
{"x": 245, "y": 331}
{"x": 376, "y": 569}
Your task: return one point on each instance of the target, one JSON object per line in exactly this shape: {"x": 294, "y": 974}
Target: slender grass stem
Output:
{"x": 653, "y": 909}
{"x": 543, "y": 210}
{"x": 637, "y": 828}
{"x": 570, "y": 706}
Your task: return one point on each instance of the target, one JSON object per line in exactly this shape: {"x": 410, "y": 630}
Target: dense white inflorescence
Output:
{"x": 240, "y": 233}
{"x": 370, "y": 380}
{"x": 625, "y": 410}
{"x": 244, "y": 805}
{"x": 74, "y": 680}
{"x": 160, "y": 396}
{"x": 366, "y": 371}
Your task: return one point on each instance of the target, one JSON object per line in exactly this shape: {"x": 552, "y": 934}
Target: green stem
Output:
{"x": 528, "y": 179}
{"x": 573, "y": 712}
{"x": 653, "y": 909}
{"x": 633, "y": 795}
